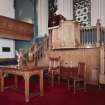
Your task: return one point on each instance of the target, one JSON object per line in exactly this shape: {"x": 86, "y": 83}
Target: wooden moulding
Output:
{"x": 15, "y": 29}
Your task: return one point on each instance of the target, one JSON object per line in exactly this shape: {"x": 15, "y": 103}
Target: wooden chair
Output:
{"x": 79, "y": 77}
{"x": 54, "y": 69}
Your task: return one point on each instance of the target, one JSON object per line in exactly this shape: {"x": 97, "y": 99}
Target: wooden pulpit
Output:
{"x": 66, "y": 36}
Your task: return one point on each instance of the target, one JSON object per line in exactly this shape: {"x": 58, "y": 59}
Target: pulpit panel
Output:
{"x": 67, "y": 35}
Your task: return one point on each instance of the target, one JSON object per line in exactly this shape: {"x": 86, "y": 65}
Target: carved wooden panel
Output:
{"x": 66, "y": 36}
{"x": 14, "y": 29}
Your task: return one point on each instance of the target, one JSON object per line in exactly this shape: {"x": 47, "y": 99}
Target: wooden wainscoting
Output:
{"x": 91, "y": 56}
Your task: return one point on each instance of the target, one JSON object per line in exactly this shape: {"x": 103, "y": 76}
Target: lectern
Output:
{"x": 67, "y": 35}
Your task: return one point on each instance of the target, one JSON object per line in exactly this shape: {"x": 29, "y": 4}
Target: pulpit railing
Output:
{"x": 88, "y": 35}
{"x": 93, "y": 35}
{"x": 102, "y": 35}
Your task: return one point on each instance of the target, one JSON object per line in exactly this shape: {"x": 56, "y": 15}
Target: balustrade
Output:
{"x": 93, "y": 35}
{"x": 41, "y": 49}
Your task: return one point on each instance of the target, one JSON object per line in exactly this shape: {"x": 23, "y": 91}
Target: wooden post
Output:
{"x": 41, "y": 83}
{"x": 26, "y": 78}
{"x": 102, "y": 68}
{"x": 50, "y": 38}
{"x": 98, "y": 27}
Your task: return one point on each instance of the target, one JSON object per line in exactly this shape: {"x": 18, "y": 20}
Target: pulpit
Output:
{"x": 66, "y": 35}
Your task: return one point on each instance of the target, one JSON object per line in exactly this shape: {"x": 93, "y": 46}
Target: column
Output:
{"x": 42, "y": 10}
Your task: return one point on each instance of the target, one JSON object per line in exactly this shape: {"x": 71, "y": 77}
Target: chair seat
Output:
{"x": 54, "y": 68}
{"x": 76, "y": 78}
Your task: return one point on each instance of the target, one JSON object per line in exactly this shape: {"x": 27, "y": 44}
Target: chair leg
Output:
{"x": 52, "y": 78}
{"x": 85, "y": 86}
{"x": 99, "y": 86}
{"x": 78, "y": 85}
{"x": 59, "y": 79}
{"x": 74, "y": 86}
{"x": 68, "y": 83}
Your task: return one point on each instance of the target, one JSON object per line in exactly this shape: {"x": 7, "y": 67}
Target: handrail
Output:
{"x": 41, "y": 49}
{"x": 90, "y": 27}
